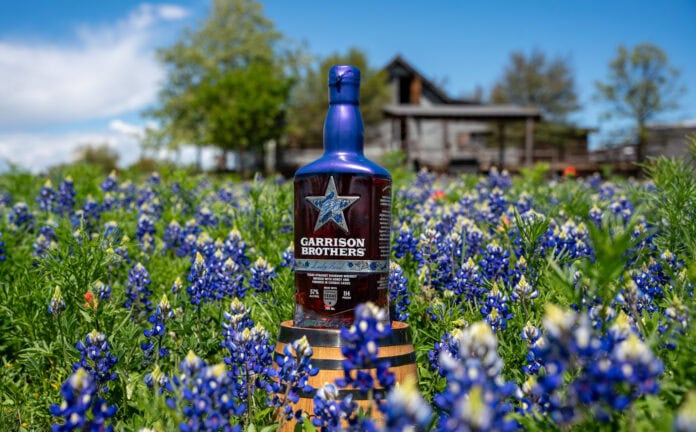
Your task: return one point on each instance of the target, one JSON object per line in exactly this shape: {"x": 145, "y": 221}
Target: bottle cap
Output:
{"x": 344, "y": 84}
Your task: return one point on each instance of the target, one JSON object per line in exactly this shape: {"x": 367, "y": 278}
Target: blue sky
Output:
{"x": 82, "y": 71}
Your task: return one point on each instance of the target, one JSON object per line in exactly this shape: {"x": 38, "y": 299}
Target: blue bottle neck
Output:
{"x": 343, "y": 129}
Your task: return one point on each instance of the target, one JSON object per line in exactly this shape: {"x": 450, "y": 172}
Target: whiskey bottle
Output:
{"x": 342, "y": 217}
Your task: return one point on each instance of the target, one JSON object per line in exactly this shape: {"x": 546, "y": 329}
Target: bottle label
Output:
{"x": 342, "y": 227}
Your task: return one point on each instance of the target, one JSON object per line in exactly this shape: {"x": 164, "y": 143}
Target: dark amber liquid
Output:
{"x": 330, "y": 281}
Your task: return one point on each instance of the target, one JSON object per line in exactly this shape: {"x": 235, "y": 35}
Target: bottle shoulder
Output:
{"x": 343, "y": 163}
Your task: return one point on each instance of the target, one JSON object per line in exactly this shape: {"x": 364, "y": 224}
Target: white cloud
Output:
{"x": 109, "y": 71}
{"x": 38, "y": 151}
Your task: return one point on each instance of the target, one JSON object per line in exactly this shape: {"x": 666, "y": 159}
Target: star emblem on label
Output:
{"x": 331, "y": 206}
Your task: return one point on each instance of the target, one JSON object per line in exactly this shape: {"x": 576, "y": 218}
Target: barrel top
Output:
{"x": 320, "y": 337}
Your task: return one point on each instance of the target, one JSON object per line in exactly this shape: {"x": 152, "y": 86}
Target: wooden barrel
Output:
{"x": 326, "y": 344}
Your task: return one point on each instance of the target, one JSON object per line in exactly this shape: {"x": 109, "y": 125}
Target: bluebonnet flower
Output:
{"x": 96, "y": 358}
{"x": 138, "y": 292}
{"x": 21, "y": 218}
{"x": 158, "y": 319}
{"x": 261, "y": 275}
{"x": 91, "y": 211}
{"x": 475, "y": 396}
{"x": 146, "y": 231}
{"x": 154, "y": 179}
{"x": 398, "y": 292}
{"x": 42, "y": 245}
{"x": 288, "y": 257}
{"x": 495, "y": 309}
{"x": 47, "y": 197}
{"x": 159, "y": 380}
{"x": 361, "y": 349}
{"x": 449, "y": 342}
{"x": 205, "y": 217}
{"x": 685, "y": 420}
{"x": 111, "y": 232}
{"x": 524, "y": 292}
{"x": 177, "y": 286}
{"x": 495, "y": 262}
{"x": 102, "y": 290}
{"x": 405, "y": 242}
{"x": 201, "y": 280}
{"x": 230, "y": 280}
{"x": 596, "y": 215}
{"x": 531, "y": 335}
{"x": 172, "y": 236}
{"x": 621, "y": 208}
{"x": 497, "y": 202}
{"x": 82, "y": 409}
{"x": 250, "y": 351}
{"x": 57, "y": 305}
{"x": 236, "y": 248}
{"x": 468, "y": 283}
{"x": 498, "y": 179}
{"x": 610, "y": 370}
{"x": 292, "y": 375}
{"x": 406, "y": 409}
{"x": 208, "y": 398}
{"x": 65, "y": 201}
{"x": 2, "y": 249}
{"x": 110, "y": 184}
{"x": 329, "y": 411}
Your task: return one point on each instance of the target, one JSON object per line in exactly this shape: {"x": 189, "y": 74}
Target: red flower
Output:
{"x": 90, "y": 300}
{"x": 570, "y": 171}
{"x": 438, "y": 194}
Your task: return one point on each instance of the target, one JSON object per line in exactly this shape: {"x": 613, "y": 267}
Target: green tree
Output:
{"x": 98, "y": 154}
{"x": 309, "y": 99}
{"x": 641, "y": 84}
{"x": 227, "y": 82}
{"x": 549, "y": 85}
{"x": 534, "y": 80}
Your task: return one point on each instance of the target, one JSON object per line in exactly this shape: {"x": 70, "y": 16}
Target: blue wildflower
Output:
{"x": 205, "y": 217}
{"x": 96, "y": 358}
{"x": 21, "y": 218}
{"x": 3, "y": 251}
{"x": 57, "y": 305}
{"x": 361, "y": 349}
{"x": 65, "y": 201}
{"x": 398, "y": 292}
{"x": 475, "y": 396}
{"x": 405, "y": 242}
{"x": 292, "y": 378}
{"x": 288, "y": 257}
{"x": 110, "y": 184}
{"x": 261, "y": 275}
{"x": 161, "y": 315}
{"x": 47, "y": 197}
{"x": 329, "y": 411}
{"x": 82, "y": 409}
{"x": 138, "y": 292}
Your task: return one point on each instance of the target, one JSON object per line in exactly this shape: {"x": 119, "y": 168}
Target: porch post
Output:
{"x": 501, "y": 145}
{"x": 529, "y": 141}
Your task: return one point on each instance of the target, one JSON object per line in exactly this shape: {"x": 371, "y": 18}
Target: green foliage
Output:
{"x": 100, "y": 155}
{"x": 535, "y": 80}
{"x": 37, "y": 349}
{"x": 227, "y": 82}
{"x": 641, "y": 84}
{"x": 535, "y": 174}
{"x": 673, "y": 201}
{"x": 309, "y": 98}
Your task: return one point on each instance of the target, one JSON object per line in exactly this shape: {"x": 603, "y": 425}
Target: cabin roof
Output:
{"x": 464, "y": 112}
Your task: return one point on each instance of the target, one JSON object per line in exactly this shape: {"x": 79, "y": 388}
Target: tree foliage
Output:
{"x": 535, "y": 80}
{"x": 641, "y": 84}
{"x": 309, "y": 100}
{"x": 227, "y": 82}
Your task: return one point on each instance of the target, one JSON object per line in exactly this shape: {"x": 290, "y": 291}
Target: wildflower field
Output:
{"x": 153, "y": 303}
